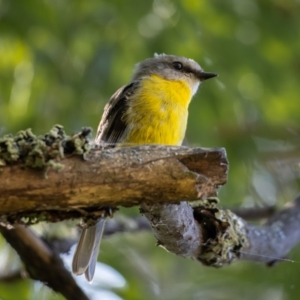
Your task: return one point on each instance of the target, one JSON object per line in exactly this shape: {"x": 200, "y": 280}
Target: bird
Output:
{"x": 151, "y": 109}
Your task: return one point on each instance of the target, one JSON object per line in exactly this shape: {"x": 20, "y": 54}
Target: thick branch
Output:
{"x": 217, "y": 237}
{"x": 123, "y": 176}
{"x": 175, "y": 228}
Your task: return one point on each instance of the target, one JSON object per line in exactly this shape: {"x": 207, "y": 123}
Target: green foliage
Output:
{"x": 61, "y": 60}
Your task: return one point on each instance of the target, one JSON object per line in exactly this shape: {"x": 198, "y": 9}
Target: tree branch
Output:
{"x": 254, "y": 213}
{"x": 123, "y": 176}
{"x": 273, "y": 241}
{"x": 158, "y": 178}
{"x": 217, "y": 237}
{"x": 41, "y": 263}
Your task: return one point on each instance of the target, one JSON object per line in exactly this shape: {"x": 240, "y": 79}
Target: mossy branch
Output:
{"x": 56, "y": 177}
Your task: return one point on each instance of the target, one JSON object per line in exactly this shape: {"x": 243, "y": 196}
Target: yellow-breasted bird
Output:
{"x": 151, "y": 109}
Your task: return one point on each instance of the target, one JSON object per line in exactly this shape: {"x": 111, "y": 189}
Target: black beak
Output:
{"x": 205, "y": 75}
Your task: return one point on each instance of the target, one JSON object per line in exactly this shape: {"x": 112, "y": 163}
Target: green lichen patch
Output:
{"x": 43, "y": 151}
{"x": 224, "y": 234}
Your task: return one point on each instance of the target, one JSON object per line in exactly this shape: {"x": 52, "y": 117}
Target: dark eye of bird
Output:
{"x": 177, "y": 65}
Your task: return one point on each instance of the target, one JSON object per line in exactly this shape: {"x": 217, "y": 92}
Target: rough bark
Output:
{"x": 217, "y": 237}
{"x": 115, "y": 177}
{"x": 275, "y": 239}
{"x": 160, "y": 179}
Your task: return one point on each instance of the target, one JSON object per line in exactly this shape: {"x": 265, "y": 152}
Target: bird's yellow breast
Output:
{"x": 158, "y": 111}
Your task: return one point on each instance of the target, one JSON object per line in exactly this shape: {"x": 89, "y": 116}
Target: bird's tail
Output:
{"x": 87, "y": 250}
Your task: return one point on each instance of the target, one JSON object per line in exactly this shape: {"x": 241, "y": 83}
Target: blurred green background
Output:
{"x": 61, "y": 60}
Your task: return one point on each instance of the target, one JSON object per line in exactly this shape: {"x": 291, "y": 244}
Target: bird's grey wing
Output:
{"x": 112, "y": 127}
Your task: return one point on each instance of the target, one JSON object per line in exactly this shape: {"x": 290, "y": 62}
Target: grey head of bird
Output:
{"x": 172, "y": 67}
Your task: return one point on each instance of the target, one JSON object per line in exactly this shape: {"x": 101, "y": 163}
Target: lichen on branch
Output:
{"x": 43, "y": 151}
